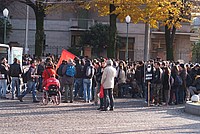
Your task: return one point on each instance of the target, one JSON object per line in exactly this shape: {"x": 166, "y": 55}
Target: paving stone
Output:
{"x": 129, "y": 116}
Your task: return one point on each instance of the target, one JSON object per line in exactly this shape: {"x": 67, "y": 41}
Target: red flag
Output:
{"x": 65, "y": 55}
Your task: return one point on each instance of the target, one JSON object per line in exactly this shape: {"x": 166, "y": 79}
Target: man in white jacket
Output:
{"x": 108, "y": 84}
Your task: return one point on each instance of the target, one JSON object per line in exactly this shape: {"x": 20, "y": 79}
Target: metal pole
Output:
{"x": 148, "y": 86}
{"x": 5, "y": 31}
{"x": 26, "y": 36}
{"x": 146, "y": 42}
{"x": 127, "y": 44}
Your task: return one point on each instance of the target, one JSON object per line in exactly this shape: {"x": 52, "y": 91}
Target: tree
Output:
{"x": 105, "y": 8}
{"x": 178, "y": 12}
{"x": 139, "y": 10}
{"x": 38, "y": 7}
{"x": 171, "y": 13}
{"x": 41, "y": 8}
{"x": 97, "y": 37}
{"x": 196, "y": 52}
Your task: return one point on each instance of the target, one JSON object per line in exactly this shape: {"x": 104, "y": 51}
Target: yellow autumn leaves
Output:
{"x": 167, "y": 12}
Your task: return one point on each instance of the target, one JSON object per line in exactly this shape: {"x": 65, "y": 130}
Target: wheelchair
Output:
{"x": 52, "y": 95}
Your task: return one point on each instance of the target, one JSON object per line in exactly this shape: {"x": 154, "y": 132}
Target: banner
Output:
{"x": 65, "y": 55}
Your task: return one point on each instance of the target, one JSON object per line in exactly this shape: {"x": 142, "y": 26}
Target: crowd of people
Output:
{"x": 83, "y": 78}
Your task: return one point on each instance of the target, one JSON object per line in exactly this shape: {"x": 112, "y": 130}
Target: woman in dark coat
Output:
{"x": 166, "y": 84}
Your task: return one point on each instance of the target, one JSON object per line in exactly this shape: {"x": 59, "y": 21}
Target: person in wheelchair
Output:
{"x": 51, "y": 91}
{"x": 51, "y": 85}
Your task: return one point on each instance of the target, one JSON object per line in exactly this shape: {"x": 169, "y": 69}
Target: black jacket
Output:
{"x": 79, "y": 71}
{"x": 4, "y": 70}
{"x": 15, "y": 70}
{"x": 157, "y": 76}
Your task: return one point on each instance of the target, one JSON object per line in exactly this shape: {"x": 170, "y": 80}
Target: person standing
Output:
{"x": 108, "y": 80}
{"x": 68, "y": 73}
{"x": 59, "y": 73}
{"x": 78, "y": 83}
{"x": 157, "y": 84}
{"x": 87, "y": 80}
{"x": 166, "y": 81}
{"x": 31, "y": 82}
{"x": 40, "y": 69}
{"x": 4, "y": 68}
{"x": 15, "y": 71}
{"x": 121, "y": 78}
{"x": 99, "y": 74}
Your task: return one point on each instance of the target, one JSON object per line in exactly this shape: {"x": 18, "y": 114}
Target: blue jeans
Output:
{"x": 31, "y": 86}
{"x": 177, "y": 94}
{"x": 78, "y": 85}
{"x": 3, "y": 87}
{"x": 15, "y": 83}
{"x": 87, "y": 85}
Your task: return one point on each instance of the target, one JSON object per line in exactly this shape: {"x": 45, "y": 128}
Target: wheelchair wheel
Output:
{"x": 58, "y": 98}
{"x": 45, "y": 98}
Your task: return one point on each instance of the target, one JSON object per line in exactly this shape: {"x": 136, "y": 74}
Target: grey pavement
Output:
{"x": 130, "y": 116}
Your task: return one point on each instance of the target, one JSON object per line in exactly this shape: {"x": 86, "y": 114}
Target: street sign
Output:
{"x": 148, "y": 74}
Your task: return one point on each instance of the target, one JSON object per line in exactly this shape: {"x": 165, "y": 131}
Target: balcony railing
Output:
{"x": 80, "y": 24}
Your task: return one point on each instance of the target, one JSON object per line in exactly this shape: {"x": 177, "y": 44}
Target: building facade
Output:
{"x": 63, "y": 27}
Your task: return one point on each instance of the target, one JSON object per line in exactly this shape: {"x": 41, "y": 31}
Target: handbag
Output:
{"x": 101, "y": 94}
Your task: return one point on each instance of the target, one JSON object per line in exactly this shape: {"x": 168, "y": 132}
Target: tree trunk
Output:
{"x": 112, "y": 34}
{"x": 39, "y": 36}
{"x": 169, "y": 39}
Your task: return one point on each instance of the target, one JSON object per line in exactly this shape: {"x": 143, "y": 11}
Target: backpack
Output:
{"x": 70, "y": 71}
{"x": 90, "y": 71}
{"x": 59, "y": 70}
{"x": 178, "y": 81}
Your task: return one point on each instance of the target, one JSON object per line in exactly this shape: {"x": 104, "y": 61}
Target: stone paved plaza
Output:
{"x": 129, "y": 116}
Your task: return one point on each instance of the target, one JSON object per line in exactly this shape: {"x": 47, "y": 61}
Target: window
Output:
{"x": 75, "y": 39}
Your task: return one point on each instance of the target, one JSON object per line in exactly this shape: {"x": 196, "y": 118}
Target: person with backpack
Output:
{"x": 68, "y": 73}
{"x": 87, "y": 80}
{"x": 31, "y": 82}
{"x": 15, "y": 71}
{"x": 48, "y": 72}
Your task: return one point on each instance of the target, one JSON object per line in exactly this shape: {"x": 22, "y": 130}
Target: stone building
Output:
{"x": 64, "y": 27}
